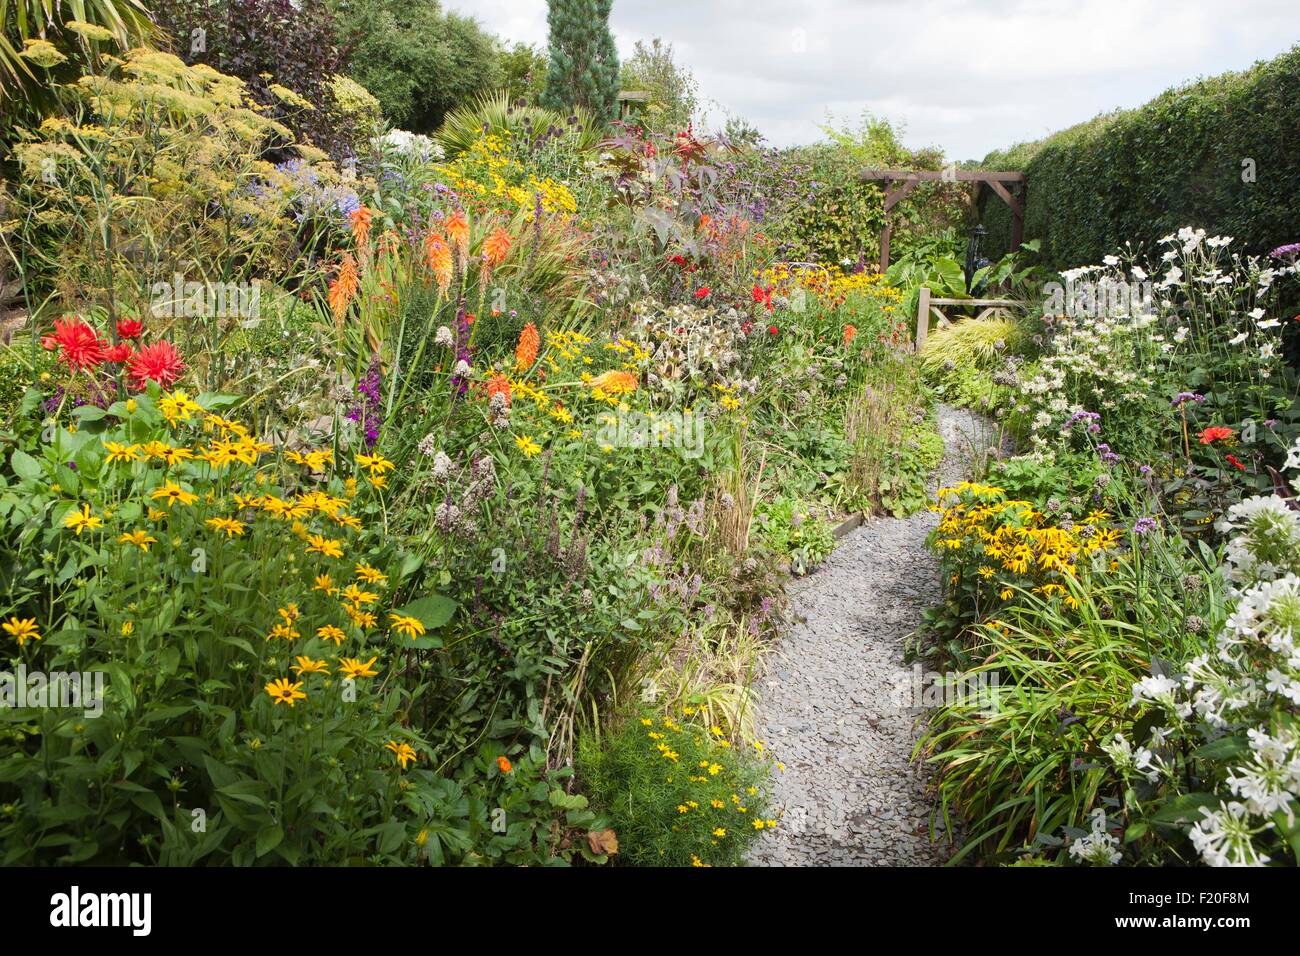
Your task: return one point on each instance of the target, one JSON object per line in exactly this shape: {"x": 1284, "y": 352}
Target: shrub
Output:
{"x": 1139, "y": 174}
{"x": 419, "y": 61}
{"x": 678, "y": 794}
{"x": 672, "y": 88}
{"x": 285, "y": 52}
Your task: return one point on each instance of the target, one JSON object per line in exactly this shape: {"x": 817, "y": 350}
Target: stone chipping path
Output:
{"x": 836, "y": 700}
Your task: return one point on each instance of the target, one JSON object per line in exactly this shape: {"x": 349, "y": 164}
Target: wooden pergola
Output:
{"x": 900, "y": 182}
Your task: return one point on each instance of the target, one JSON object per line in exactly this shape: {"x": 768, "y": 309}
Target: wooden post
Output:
{"x": 884, "y": 244}
{"x": 922, "y": 317}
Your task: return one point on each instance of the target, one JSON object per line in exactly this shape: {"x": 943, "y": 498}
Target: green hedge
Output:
{"x": 1139, "y": 174}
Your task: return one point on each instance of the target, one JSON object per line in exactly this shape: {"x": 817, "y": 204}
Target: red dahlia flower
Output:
{"x": 159, "y": 363}
{"x": 77, "y": 342}
{"x": 118, "y": 353}
{"x": 771, "y": 330}
{"x": 1215, "y": 433}
{"x": 129, "y": 329}
{"x": 702, "y": 292}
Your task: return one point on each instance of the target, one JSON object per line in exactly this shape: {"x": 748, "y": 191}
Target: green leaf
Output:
{"x": 1223, "y": 749}
{"x": 24, "y": 465}
{"x": 433, "y": 612}
{"x": 268, "y": 838}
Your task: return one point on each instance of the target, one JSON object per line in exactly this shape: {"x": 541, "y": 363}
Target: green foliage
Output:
{"x": 1026, "y": 764}
{"x": 1182, "y": 158}
{"x": 677, "y": 794}
{"x": 523, "y": 73}
{"x": 791, "y": 529}
{"x": 583, "y": 69}
{"x": 419, "y": 61}
{"x": 973, "y": 362}
{"x": 526, "y": 125}
{"x": 37, "y": 47}
{"x": 356, "y": 102}
{"x": 673, "y": 89}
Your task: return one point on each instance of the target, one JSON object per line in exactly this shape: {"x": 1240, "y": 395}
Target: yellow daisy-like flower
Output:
{"x": 356, "y": 595}
{"x": 139, "y": 537}
{"x": 119, "y": 452}
{"x": 403, "y": 752}
{"x": 412, "y": 627}
{"x": 82, "y": 520}
{"x": 171, "y": 493}
{"x": 230, "y": 526}
{"x": 370, "y": 575}
{"x": 350, "y": 668}
{"x": 377, "y": 465}
{"x": 720, "y": 832}
{"x": 329, "y": 547}
{"x": 306, "y": 665}
{"x": 326, "y": 584}
{"x": 360, "y": 616}
{"x": 526, "y": 445}
{"x": 328, "y": 632}
{"x": 283, "y": 630}
{"x": 282, "y": 691}
{"x": 21, "y": 629}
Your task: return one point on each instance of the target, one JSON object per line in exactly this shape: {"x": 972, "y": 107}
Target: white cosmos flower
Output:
{"x": 1237, "y": 339}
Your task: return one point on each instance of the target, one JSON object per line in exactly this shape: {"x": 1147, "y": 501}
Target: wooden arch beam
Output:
{"x": 907, "y": 180}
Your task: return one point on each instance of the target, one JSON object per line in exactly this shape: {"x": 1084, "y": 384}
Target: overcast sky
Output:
{"x": 966, "y": 75}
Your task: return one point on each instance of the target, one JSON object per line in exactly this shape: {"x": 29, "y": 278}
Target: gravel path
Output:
{"x": 836, "y": 701}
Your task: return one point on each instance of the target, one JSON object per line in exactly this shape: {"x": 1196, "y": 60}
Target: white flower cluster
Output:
{"x": 1203, "y": 301}
{"x": 1246, "y": 687}
{"x": 412, "y": 145}
{"x": 1098, "y": 846}
{"x": 1265, "y": 542}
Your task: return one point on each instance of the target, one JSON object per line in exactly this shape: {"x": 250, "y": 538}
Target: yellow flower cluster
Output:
{"x": 831, "y": 287}
{"x": 1010, "y": 542}
{"x": 709, "y": 794}
{"x": 486, "y": 173}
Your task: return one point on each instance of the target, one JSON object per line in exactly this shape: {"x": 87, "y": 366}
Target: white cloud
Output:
{"x": 966, "y": 75}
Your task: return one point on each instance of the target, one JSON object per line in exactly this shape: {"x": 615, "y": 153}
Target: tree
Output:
{"x": 672, "y": 88}
{"x": 584, "y": 63}
{"x": 523, "y": 73}
{"x": 418, "y": 61}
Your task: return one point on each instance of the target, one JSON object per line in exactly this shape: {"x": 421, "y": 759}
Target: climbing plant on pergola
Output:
{"x": 906, "y": 179}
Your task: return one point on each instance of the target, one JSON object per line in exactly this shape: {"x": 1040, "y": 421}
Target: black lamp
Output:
{"x": 973, "y": 251}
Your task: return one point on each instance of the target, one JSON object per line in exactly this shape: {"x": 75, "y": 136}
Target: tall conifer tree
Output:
{"x": 583, "y": 60}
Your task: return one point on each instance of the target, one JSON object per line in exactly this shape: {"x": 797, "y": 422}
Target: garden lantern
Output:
{"x": 973, "y": 251}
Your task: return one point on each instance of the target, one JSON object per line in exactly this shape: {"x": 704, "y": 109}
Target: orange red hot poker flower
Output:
{"x": 438, "y": 255}
{"x": 344, "y": 287}
{"x": 458, "y": 233}
{"x": 526, "y": 350}
{"x": 360, "y": 218}
{"x": 615, "y": 383}
{"x": 496, "y": 246}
